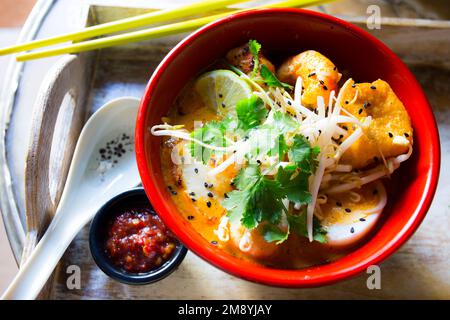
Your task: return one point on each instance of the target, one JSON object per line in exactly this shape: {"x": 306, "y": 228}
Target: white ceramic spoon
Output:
{"x": 90, "y": 183}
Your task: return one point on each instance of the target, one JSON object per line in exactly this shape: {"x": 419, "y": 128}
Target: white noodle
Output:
{"x": 246, "y": 242}
{"x": 223, "y": 231}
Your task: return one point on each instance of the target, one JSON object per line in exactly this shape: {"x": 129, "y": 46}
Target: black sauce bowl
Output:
{"x": 97, "y": 239}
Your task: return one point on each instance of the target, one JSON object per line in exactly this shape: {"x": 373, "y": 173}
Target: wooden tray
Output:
{"x": 66, "y": 90}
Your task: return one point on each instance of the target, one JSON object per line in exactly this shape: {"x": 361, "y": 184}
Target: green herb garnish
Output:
{"x": 254, "y": 47}
{"x": 303, "y": 155}
{"x": 250, "y": 112}
{"x": 257, "y": 199}
{"x": 212, "y": 133}
{"x": 271, "y": 80}
{"x": 267, "y": 76}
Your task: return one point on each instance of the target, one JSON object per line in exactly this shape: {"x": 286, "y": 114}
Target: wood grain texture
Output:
{"x": 58, "y": 115}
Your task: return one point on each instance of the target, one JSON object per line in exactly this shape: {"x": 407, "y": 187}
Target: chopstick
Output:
{"x": 152, "y": 33}
{"x": 124, "y": 24}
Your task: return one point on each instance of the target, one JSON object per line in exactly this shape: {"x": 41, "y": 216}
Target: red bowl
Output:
{"x": 290, "y": 31}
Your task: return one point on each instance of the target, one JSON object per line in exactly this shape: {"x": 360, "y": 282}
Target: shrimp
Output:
{"x": 242, "y": 58}
{"x": 251, "y": 242}
{"x": 389, "y": 133}
{"x": 319, "y": 75}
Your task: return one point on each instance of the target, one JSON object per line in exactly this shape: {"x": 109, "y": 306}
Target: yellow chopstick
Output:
{"x": 125, "y": 24}
{"x": 151, "y": 33}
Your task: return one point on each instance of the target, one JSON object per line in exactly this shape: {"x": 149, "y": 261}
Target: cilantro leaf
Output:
{"x": 297, "y": 224}
{"x": 250, "y": 112}
{"x": 294, "y": 183}
{"x": 283, "y": 122}
{"x": 255, "y": 47}
{"x": 212, "y": 133}
{"x": 272, "y": 233}
{"x": 247, "y": 176}
{"x": 257, "y": 199}
{"x": 261, "y": 140}
{"x": 236, "y": 204}
{"x": 303, "y": 154}
{"x": 271, "y": 80}
{"x": 279, "y": 147}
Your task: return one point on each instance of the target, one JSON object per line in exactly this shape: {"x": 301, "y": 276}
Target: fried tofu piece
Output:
{"x": 390, "y": 132}
{"x": 319, "y": 75}
{"x": 242, "y": 58}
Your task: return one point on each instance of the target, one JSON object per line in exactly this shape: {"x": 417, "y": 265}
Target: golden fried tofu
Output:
{"x": 242, "y": 58}
{"x": 319, "y": 75}
{"x": 390, "y": 132}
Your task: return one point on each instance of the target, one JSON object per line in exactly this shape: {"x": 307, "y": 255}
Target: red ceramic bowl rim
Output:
{"x": 313, "y": 276}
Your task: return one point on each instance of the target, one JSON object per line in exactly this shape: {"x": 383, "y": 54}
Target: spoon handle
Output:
{"x": 33, "y": 275}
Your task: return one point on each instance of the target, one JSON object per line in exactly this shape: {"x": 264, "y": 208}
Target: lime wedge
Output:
{"x": 221, "y": 90}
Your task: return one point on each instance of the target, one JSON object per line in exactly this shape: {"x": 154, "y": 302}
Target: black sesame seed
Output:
{"x": 211, "y": 185}
{"x": 360, "y": 111}
{"x": 365, "y": 105}
{"x": 390, "y": 135}
{"x": 196, "y": 170}
{"x": 208, "y": 204}
{"x": 311, "y": 74}
{"x": 258, "y": 161}
{"x": 232, "y": 183}
{"x": 341, "y": 136}
{"x": 352, "y": 230}
{"x": 362, "y": 219}
{"x": 190, "y": 217}
{"x": 102, "y": 151}
{"x": 169, "y": 187}
{"x": 206, "y": 184}
{"x": 339, "y": 204}
{"x": 346, "y": 101}
{"x": 223, "y": 105}
{"x": 193, "y": 199}
{"x": 334, "y": 69}
{"x": 373, "y": 87}
{"x": 192, "y": 194}
{"x": 173, "y": 192}
{"x": 210, "y": 195}
{"x": 214, "y": 242}
{"x": 354, "y": 85}
{"x": 321, "y": 82}
{"x": 289, "y": 103}
{"x": 225, "y": 196}
{"x": 344, "y": 127}
{"x": 406, "y": 134}
{"x": 220, "y": 95}
{"x": 325, "y": 88}
{"x": 348, "y": 210}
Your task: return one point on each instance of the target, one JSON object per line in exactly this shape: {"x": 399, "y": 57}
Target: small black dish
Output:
{"x": 98, "y": 233}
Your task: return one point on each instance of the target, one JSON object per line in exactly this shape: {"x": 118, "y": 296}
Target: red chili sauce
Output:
{"x": 138, "y": 241}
